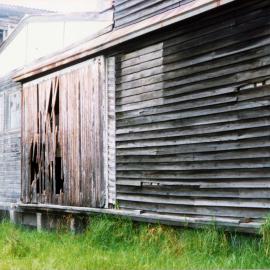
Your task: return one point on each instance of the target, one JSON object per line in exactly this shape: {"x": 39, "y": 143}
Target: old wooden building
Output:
{"x": 164, "y": 119}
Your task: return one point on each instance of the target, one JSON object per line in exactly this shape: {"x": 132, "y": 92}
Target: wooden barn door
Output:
{"x": 62, "y": 137}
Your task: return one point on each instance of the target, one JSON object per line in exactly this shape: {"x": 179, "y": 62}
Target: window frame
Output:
{"x": 2, "y": 112}
{"x": 7, "y": 114}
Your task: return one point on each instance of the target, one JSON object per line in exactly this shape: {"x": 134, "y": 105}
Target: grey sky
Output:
{"x": 61, "y": 5}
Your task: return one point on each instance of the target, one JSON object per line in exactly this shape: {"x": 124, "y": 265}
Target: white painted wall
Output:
{"x": 39, "y": 38}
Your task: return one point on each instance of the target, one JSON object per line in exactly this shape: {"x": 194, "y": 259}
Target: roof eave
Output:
{"x": 117, "y": 37}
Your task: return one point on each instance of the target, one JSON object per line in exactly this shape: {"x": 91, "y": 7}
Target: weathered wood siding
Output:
{"x": 10, "y": 147}
{"x": 192, "y": 117}
{"x": 62, "y": 137}
{"x": 132, "y": 11}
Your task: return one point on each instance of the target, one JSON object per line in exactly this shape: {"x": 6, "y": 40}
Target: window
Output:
{"x": 1, "y": 36}
{"x": 1, "y": 113}
{"x": 5, "y": 32}
{"x": 13, "y": 110}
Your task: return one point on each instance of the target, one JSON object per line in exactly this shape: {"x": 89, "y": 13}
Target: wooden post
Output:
{"x": 12, "y": 215}
{"x": 39, "y": 222}
{"x": 73, "y": 225}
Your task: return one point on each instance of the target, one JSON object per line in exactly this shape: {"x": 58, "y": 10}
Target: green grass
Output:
{"x": 120, "y": 244}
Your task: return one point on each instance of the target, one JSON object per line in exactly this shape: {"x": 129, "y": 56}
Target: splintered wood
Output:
{"x": 62, "y": 137}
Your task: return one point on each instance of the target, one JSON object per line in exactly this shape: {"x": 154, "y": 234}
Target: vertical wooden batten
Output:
{"x": 110, "y": 133}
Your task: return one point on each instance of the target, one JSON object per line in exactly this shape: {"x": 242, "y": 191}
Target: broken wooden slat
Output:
{"x": 63, "y": 148}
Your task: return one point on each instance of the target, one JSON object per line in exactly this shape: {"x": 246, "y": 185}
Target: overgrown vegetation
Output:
{"x": 115, "y": 243}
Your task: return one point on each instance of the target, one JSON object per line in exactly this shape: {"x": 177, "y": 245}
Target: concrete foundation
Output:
{"x": 43, "y": 220}
{"x": 76, "y": 219}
